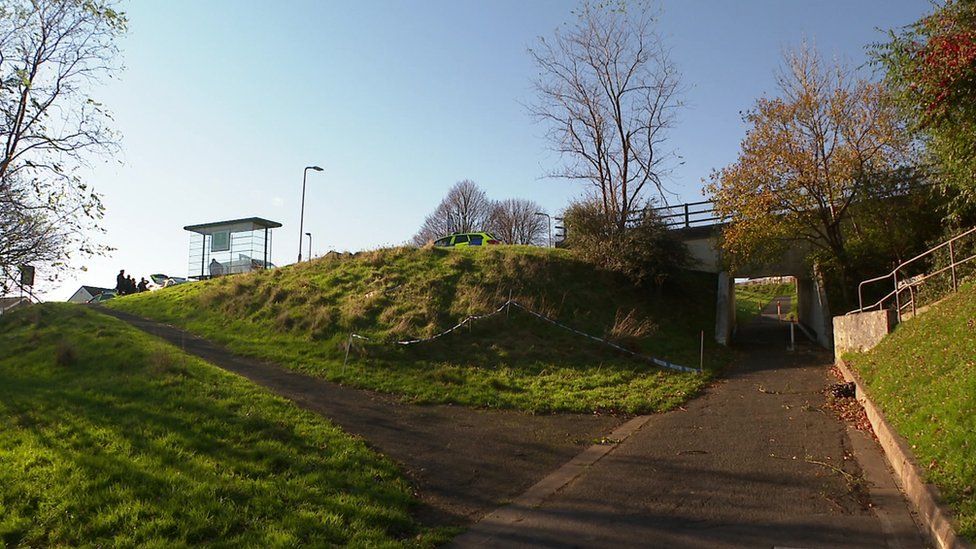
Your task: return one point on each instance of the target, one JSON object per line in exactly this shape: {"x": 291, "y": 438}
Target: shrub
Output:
{"x": 645, "y": 250}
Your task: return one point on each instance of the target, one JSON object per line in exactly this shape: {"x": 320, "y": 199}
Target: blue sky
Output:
{"x": 222, "y": 104}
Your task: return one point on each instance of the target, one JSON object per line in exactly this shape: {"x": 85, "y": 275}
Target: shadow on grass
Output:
{"x": 124, "y": 442}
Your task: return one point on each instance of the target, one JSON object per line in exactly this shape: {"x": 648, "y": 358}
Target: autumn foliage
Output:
{"x": 945, "y": 64}
{"x": 810, "y": 154}
{"x": 931, "y": 72}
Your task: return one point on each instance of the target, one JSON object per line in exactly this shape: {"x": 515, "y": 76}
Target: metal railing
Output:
{"x": 911, "y": 284}
{"x": 690, "y": 214}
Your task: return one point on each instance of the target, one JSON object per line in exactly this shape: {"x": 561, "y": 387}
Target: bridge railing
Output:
{"x": 690, "y": 214}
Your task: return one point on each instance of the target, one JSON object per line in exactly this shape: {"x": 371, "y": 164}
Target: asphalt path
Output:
{"x": 757, "y": 461}
{"x": 463, "y": 462}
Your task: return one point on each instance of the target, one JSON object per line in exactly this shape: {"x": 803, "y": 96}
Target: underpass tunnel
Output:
{"x": 763, "y": 308}
{"x": 765, "y": 311}
{"x": 813, "y": 313}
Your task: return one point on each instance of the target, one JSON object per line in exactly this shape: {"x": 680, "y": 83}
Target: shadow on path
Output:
{"x": 464, "y": 462}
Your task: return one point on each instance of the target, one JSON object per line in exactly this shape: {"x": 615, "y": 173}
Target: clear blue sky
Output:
{"x": 223, "y": 103}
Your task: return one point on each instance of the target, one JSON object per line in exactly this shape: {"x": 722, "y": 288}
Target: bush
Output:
{"x": 645, "y": 250}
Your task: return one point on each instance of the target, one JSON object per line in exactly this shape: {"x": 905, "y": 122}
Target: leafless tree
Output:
{"x": 515, "y": 221}
{"x": 52, "y": 52}
{"x": 607, "y": 93}
{"x": 466, "y": 208}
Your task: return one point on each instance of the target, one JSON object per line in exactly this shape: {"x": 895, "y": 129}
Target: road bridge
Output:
{"x": 700, "y": 227}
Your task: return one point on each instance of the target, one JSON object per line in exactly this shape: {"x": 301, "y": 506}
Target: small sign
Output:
{"x": 26, "y": 275}
{"x": 220, "y": 241}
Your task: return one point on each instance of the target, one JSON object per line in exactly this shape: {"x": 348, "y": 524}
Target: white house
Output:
{"x": 85, "y": 293}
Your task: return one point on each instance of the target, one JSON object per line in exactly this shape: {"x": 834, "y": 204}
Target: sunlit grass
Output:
{"x": 112, "y": 438}
{"x": 751, "y": 298}
{"x": 923, "y": 376}
{"x": 301, "y": 317}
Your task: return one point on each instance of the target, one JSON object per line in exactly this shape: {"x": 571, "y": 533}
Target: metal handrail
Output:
{"x": 685, "y": 213}
{"x": 910, "y": 285}
{"x": 682, "y": 215}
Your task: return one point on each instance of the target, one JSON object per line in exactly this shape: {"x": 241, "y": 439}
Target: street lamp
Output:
{"x": 309, "y": 235}
{"x": 301, "y": 221}
{"x": 549, "y": 221}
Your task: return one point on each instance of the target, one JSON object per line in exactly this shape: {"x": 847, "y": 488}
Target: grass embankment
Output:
{"x": 113, "y": 438}
{"x": 301, "y": 316}
{"x": 924, "y": 378}
{"x": 751, "y": 298}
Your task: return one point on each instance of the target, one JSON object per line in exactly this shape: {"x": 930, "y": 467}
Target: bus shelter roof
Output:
{"x": 233, "y": 225}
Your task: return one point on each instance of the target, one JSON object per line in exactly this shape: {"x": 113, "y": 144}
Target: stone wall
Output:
{"x": 860, "y": 332}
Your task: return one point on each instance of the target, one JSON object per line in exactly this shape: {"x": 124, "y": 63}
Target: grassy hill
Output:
{"x": 113, "y": 438}
{"x": 750, "y": 298}
{"x": 301, "y": 317}
{"x": 924, "y": 378}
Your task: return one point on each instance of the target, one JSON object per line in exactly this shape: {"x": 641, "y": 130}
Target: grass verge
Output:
{"x": 923, "y": 376}
{"x": 112, "y": 437}
{"x": 751, "y": 298}
{"x": 301, "y": 317}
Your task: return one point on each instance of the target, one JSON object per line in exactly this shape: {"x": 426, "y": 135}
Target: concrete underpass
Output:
{"x": 813, "y": 311}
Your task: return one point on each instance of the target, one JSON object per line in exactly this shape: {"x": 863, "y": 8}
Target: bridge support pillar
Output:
{"x": 814, "y": 313}
{"x": 724, "y": 308}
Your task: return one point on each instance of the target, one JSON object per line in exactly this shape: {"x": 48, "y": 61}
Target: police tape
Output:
{"x": 512, "y": 303}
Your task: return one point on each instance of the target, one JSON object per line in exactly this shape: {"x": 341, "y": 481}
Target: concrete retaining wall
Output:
{"x": 862, "y": 331}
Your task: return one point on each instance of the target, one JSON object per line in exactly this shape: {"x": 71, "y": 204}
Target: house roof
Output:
{"x": 84, "y": 293}
{"x": 246, "y": 223}
{"x": 94, "y": 290}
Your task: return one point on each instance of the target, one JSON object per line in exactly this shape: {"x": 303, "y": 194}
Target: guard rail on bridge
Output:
{"x": 690, "y": 214}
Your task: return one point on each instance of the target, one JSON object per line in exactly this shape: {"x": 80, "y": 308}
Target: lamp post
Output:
{"x": 549, "y": 222}
{"x": 309, "y": 235}
{"x": 301, "y": 219}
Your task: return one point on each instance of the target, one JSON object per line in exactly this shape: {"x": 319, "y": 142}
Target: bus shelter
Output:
{"x": 230, "y": 247}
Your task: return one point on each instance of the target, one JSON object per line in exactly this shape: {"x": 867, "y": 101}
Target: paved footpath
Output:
{"x": 463, "y": 462}
{"x": 757, "y": 461}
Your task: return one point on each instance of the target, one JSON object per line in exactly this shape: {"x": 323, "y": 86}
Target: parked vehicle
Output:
{"x": 460, "y": 240}
{"x": 164, "y": 281}
{"x": 104, "y": 296}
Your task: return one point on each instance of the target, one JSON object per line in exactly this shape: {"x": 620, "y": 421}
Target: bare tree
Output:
{"x": 51, "y": 53}
{"x": 607, "y": 91}
{"x": 466, "y": 208}
{"x": 515, "y": 221}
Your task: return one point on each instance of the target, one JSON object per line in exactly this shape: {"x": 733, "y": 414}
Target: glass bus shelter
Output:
{"x": 230, "y": 247}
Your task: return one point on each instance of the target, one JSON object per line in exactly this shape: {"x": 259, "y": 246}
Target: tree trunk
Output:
{"x": 836, "y": 242}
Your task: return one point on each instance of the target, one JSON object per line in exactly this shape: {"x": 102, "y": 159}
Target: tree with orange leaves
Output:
{"x": 828, "y": 140}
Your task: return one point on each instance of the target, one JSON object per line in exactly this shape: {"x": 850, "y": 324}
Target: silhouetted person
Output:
{"x": 120, "y": 283}
{"x": 143, "y": 285}
{"x": 216, "y": 269}
{"x": 130, "y": 285}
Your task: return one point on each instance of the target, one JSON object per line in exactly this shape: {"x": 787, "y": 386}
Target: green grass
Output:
{"x": 112, "y": 438}
{"x": 924, "y": 378}
{"x": 301, "y": 317}
{"x": 750, "y": 298}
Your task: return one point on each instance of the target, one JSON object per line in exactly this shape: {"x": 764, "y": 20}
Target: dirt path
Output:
{"x": 464, "y": 462}
{"x": 755, "y": 462}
